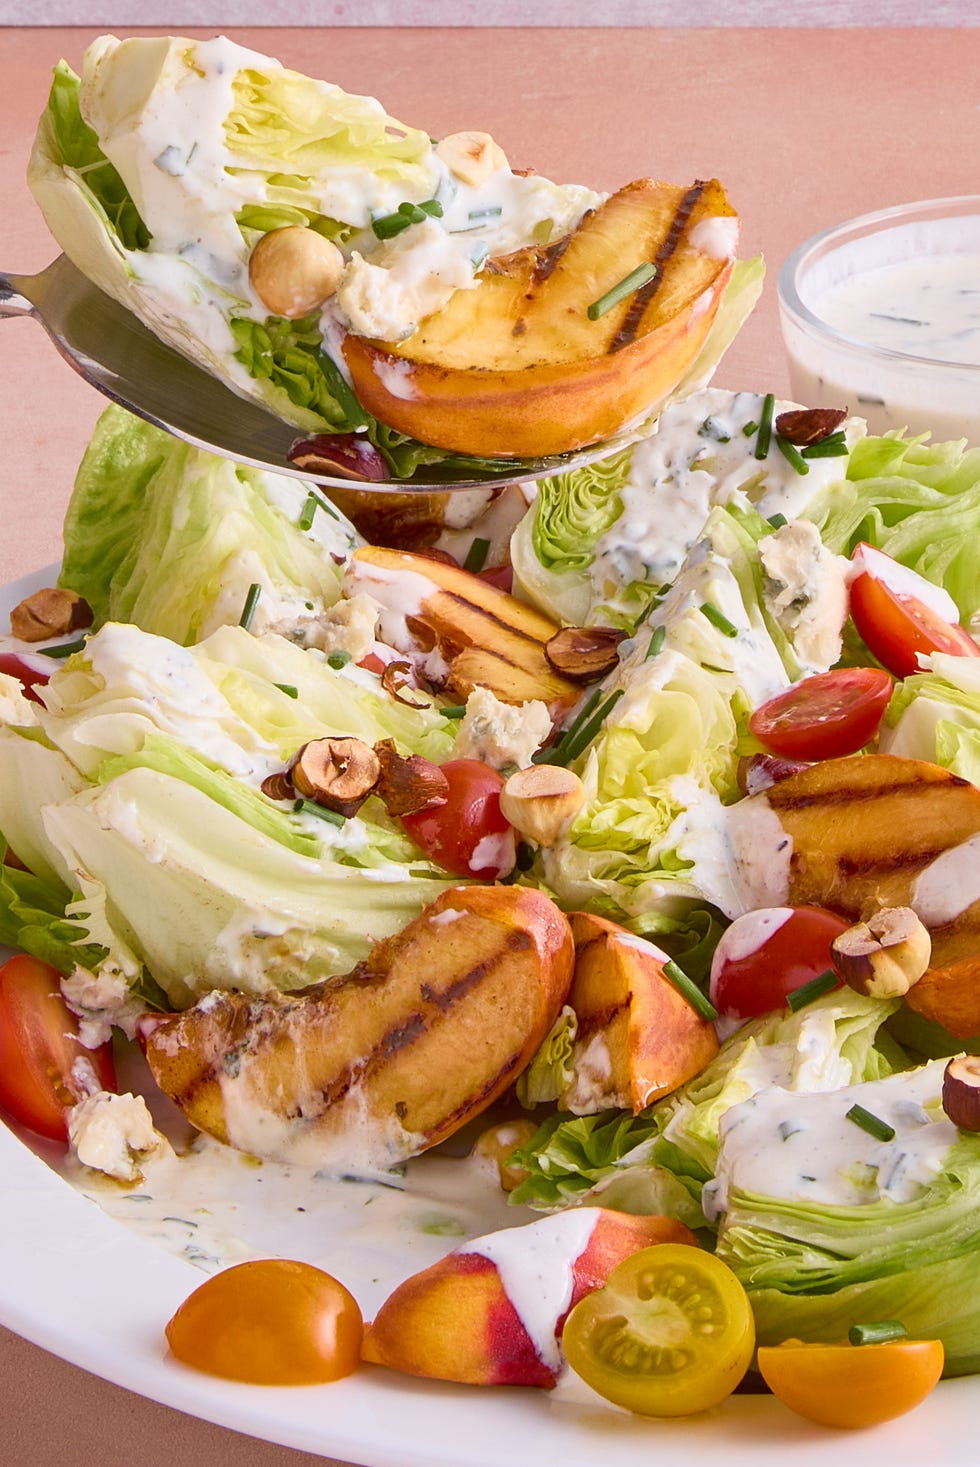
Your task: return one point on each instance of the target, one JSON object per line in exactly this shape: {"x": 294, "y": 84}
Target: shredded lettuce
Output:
{"x": 936, "y": 716}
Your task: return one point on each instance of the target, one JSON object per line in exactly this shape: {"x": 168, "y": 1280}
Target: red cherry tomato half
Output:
{"x": 468, "y": 834}
{"x": 824, "y": 716}
{"x": 29, "y": 670}
{"x": 40, "y": 1048}
{"x": 894, "y": 622}
{"x": 765, "y": 955}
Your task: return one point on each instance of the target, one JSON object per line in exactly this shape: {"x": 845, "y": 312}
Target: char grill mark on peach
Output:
{"x": 911, "y": 861}
{"x": 782, "y": 799}
{"x": 548, "y": 257}
{"x": 630, "y": 323}
{"x": 602, "y": 1018}
{"x": 492, "y": 1086}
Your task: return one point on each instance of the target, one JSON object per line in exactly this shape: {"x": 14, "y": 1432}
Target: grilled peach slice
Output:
{"x": 519, "y": 367}
{"x": 638, "y": 1038}
{"x": 457, "y": 1320}
{"x": 873, "y": 831}
{"x": 488, "y": 638}
{"x": 367, "y": 1069}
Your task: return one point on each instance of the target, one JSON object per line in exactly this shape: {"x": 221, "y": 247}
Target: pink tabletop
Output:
{"x": 804, "y": 128}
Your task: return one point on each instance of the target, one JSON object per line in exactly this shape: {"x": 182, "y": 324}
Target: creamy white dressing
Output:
{"x": 536, "y": 1269}
{"x": 949, "y": 885}
{"x": 761, "y": 854}
{"x": 910, "y": 291}
{"x": 803, "y": 1147}
{"x": 699, "y": 456}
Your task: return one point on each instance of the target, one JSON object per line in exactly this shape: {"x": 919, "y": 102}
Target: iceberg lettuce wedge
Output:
{"x": 170, "y": 538}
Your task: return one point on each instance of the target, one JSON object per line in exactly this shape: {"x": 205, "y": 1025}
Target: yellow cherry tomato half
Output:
{"x": 670, "y": 1332}
{"x": 851, "y": 1385}
{"x": 271, "y": 1322}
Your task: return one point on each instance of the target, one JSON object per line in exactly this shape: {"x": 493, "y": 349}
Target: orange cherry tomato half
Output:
{"x": 468, "y": 833}
{"x": 851, "y": 1385}
{"x": 271, "y": 1322}
{"x": 894, "y": 623}
{"x": 824, "y": 716}
{"x": 44, "y": 1066}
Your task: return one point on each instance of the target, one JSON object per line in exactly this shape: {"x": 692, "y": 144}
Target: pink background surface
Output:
{"x": 804, "y": 128}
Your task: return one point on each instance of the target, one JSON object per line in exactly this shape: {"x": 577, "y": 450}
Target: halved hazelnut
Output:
{"x": 50, "y": 612}
{"x": 541, "y": 801}
{"x": 804, "y": 426}
{"x": 961, "y": 1091}
{"x": 471, "y": 156}
{"x": 884, "y": 956}
{"x": 279, "y": 786}
{"x": 337, "y": 773}
{"x": 409, "y": 783}
{"x": 584, "y": 654}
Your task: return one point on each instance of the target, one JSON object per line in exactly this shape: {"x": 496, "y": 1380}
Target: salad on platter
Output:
{"x": 613, "y": 837}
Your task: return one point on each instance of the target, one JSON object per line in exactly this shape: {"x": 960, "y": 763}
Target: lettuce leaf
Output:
{"x": 170, "y": 538}
{"x": 936, "y": 716}
{"x": 917, "y": 501}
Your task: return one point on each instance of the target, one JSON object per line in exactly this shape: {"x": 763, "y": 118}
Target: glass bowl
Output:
{"x": 882, "y": 315}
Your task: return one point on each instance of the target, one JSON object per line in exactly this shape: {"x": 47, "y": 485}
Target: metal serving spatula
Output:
{"x": 114, "y": 352}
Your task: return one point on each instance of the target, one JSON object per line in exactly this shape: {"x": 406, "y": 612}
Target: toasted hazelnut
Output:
{"x": 804, "y": 426}
{"x": 337, "y": 773}
{"x": 541, "y": 801}
{"x": 279, "y": 786}
{"x": 471, "y": 156}
{"x": 584, "y": 654}
{"x": 884, "y": 956}
{"x": 294, "y": 270}
{"x": 51, "y": 612}
{"x": 408, "y": 784}
{"x": 498, "y": 1143}
{"x": 961, "y": 1091}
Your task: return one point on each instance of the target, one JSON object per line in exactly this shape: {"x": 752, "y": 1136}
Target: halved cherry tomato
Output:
{"x": 42, "y": 1059}
{"x": 670, "y": 1332}
{"x": 896, "y": 623}
{"x": 30, "y": 670}
{"x": 468, "y": 834}
{"x": 824, "y": 716}
{"x": 270, "y": 1322}
{"x": 851, "y": 1385}
{"x": 765, "y": 955}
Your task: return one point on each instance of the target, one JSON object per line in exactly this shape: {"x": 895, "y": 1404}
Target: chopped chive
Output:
{"x": 874, "y": 1126}
{"x": 547, "y": 756}
{"x": 750, "y": 428}
{"x": 657, "y": 642}
{"x": 454, "y": 710}
{"x": 792, "y": 455}
{"x": 341, "y": 389}
{"x": 807, "y": 992}
{"x": 432, "y": 207}
{"x": 310, "y": 807}
{"x": 719, "y": 619}
{"x": 827, "y": 448}
{"x": 778, "y": 520}
{"x": 713, "y": 428}
{"x": 688, "y": 989}
{"x": 388, "y": 225}
{"x": 573, "y": 748}
{"x": 625, "y": 287}
{"x": 64, "y": 649}
{"x": 251, "y": 602}
{"x": 492, "y": 211}
{"x": 288, "y": 689}
{"x": 765, "y": 426}
{"x": 878, "y": 1333}
{"x": 476, "y": 556}
{"x": 338, "y": 659}
{"x": 307, "y": 514}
